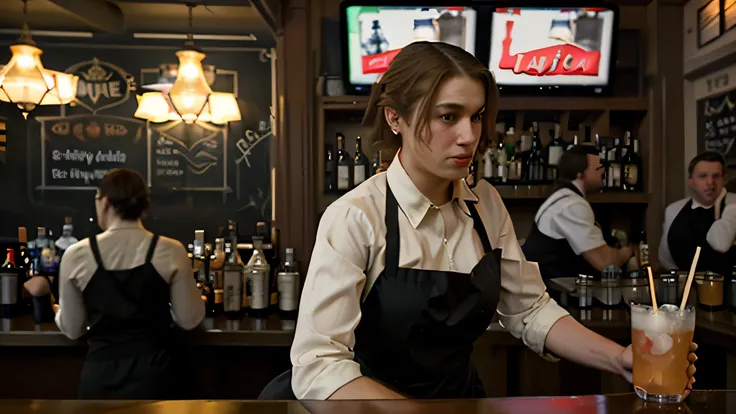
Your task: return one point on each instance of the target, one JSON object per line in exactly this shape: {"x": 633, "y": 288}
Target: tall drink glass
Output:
{"x": 661, "y": 344}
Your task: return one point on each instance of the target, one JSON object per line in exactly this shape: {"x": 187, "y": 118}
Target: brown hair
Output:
{"x": 706, "y": 156}
{"x": 575, "y": 161}
{"x": 127, "y": 193}
{"x": 410, "y": 85}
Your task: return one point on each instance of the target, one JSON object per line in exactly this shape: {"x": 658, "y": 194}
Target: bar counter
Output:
{"x": 700, "y": 402}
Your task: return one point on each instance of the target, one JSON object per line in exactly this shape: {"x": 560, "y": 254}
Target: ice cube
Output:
{"x": 662, "y": 344}
{"x": 668, "y": 308}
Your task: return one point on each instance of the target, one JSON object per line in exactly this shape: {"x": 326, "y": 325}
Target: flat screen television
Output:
{"x": 555, "y": 50}
{"x": 374, "y": 32}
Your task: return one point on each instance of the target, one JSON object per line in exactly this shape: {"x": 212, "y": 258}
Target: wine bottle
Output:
{"x": 217, "y": 261}
{"x": 361, "y": 170}
{"x": 288, "y": 282}
{"x": 344, "y": 165}
{"x": 233, "y": 273}
{"x": 9, "y": 275}
{"x": 257, "y": 272}
{"x": 632, "y": 168}
{"x": 329, "y": 169}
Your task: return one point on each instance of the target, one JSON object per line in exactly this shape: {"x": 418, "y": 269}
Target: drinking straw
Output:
{"x": 651, "y": 290}
{"x": 690, "y": 279}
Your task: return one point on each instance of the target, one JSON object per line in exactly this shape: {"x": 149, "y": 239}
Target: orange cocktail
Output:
{"x": 661, "y": 344}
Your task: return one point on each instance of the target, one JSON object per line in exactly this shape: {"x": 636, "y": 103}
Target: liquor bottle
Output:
{"x": 555, "y": 150}
{"x": 614, "y": 167}
{"x": 257, "y": 272}
{"x": 329, "y": 169}
{"x": 361, "y": 169}
{"x": 9, "y": 285}
{"x": 377, "y": 163}
{"x": 574, "y": 142}
{"x": 489, "y": 165}
{"x": 643, "y": 250}
{"x": 217, "y": 261}
{"x": 502, "y": 162}
{"x": 587, "y": 139}
{"x": 344, "y": 165}
{"x": 67, "y": 237}
{"x": 603, "y": 155}
{"x": 288, "y": 282}
{"x": 233, "y": 272}
{"x": 632, "y": 168}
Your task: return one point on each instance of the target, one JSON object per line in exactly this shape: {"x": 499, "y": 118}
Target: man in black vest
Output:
{"x": 565, "y": 240}
{"x": 706, "y": 219}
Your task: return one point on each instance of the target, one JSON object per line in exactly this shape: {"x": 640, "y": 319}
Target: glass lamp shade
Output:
{"x": 153, "y": 107}
{"x": 190, "y": 92}
{"x": 25, "y": 82}
{"x": 223, "y": 108}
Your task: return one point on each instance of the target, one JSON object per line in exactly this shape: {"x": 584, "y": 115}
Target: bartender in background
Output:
{"x": 565, "y": 240}
{"x": 121, "y": 289}
{"x": 706, "y": 219}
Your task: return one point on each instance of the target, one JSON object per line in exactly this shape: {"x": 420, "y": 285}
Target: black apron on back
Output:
{"x": 555, "y": 257}
{"x": 130, "y": 334}
{"x": 689, "y": 230}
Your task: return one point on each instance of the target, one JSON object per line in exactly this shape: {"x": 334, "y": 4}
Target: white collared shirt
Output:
{"x": 349, "y": 255}
{"x": 721, "y": 234}
{"x": 125, "y": 246}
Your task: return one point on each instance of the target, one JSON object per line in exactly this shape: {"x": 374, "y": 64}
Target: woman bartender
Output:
{"x": 409, "y": 268}
{"x": 121, "y": 289}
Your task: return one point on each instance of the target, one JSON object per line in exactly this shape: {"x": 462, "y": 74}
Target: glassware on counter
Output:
{"x": 609, "y": 291}
{"x": 584, "y": 287}
{"x": 709, "y": 287}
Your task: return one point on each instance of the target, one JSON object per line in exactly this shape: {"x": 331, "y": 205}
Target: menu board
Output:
{"x": 77, "y": 151}
{"x": 189, "y": 157}
{"x": 717, "y": 125}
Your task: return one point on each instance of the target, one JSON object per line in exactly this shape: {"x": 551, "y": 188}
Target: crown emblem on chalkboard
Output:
{"x": 96, "y": 73}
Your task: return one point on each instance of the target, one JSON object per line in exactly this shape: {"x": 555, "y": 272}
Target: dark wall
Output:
{"x": 175, "y": 213}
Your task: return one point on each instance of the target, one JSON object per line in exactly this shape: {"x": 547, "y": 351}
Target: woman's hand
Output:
{"x": 626, "y": 363}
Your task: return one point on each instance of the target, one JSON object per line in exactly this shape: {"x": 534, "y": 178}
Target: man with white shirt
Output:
{"x": 706, "y": 219}
{"x": 565, "y": 240}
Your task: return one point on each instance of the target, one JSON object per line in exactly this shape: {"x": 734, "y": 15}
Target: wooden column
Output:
{"x": 294, "y": 169}
{"x": 664, "y": 66}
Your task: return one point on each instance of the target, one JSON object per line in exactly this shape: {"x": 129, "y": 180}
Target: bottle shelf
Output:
{"x": 515, "y": 103}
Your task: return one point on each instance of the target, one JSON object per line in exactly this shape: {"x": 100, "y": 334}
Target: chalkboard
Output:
{"x": 189, "y": 157}
{"x": 717, "y": 125}
{"x": 78, "y": 150}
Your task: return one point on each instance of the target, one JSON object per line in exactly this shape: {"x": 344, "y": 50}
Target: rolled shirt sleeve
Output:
{"x": 329, "y": 312}
{"x": 525, "y": 308}
{"x": 665, "y": 257}
{"x": 72, "y": 315}
{"x": 723, "y": 231}
{"x": 576, "y": 223}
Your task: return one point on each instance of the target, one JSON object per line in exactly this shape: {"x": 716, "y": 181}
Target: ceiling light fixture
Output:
{"x": 26, "y": 83}
{"x": 190, "y": 98}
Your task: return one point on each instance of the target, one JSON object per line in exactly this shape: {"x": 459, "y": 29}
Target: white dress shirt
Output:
{"x": 349, "y": 255}
{"x": 721, "y": 234}
{"x": 571, "y": 218}
{"x": 125, "y": 246}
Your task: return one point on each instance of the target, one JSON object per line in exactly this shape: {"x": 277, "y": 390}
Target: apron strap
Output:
{"x": 479, "y": 227}
{"x": 393, "y": 238}
{"x": 96, "y": 251}
{"x": 151, "y": 248}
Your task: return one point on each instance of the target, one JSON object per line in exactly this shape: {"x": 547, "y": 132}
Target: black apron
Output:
{"x": 417, "y": 328}
{"x": 689, "y": 230}
{"x": 130, "y": 331}
{"x": 555, "y": 257}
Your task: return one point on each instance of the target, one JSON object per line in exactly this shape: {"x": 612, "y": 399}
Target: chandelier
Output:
{"x": 26, "y": 83}
{"x": 190, "y": 98}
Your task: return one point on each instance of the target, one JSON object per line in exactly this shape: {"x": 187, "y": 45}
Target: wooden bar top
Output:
{"x": 700, "y": 402}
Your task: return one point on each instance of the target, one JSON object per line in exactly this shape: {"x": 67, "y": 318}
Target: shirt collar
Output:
{"x": 696, "y": 204}
{"x": 412, "y": 202}
{"x": 125, "y": 224}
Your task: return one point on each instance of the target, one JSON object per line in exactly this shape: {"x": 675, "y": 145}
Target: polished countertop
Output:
{"x": 700, "y": 402}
